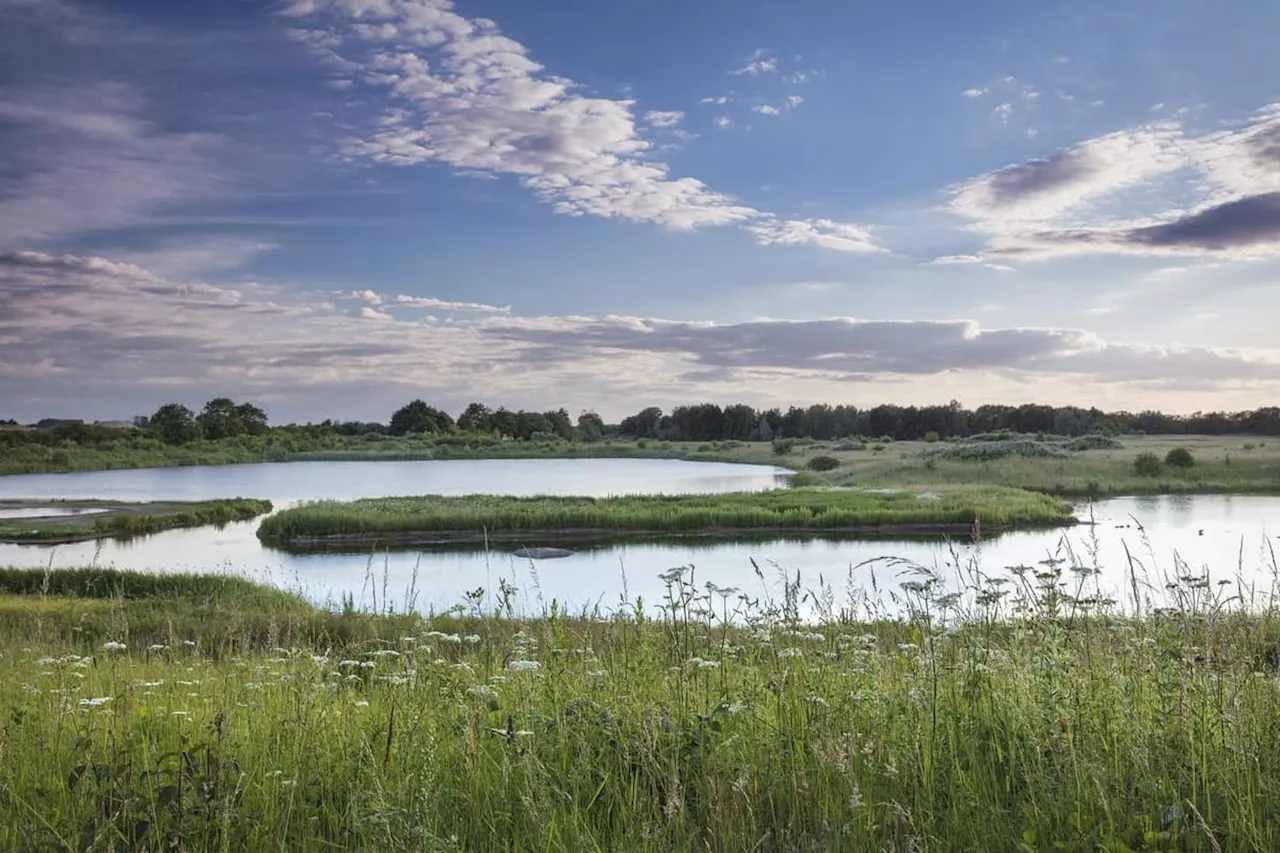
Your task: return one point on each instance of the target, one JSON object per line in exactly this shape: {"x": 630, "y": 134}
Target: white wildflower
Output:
{"x": 525, "y": 665}
{"x": 95, "y": 702}
{"x": 385, "y": 653}
{"x": 790, "y": 652}
{"x": 471, "y": 639}
{"x": 47, "y": 661}
{"x": 361, "y": 703}
{"x": 113, "y": 646}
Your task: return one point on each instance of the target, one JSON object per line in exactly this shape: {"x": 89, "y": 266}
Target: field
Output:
{"x": 113, "y": 519}
{"x": 491, "y": 518}
{"x": 1235, "y": 464}
{"x": 148, "y": 712}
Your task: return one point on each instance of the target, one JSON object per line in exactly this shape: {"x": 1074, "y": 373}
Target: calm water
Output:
{"x": 1230, "y": 536}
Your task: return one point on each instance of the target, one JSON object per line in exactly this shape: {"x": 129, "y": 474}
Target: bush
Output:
{"x": 1179, "y": 457}
{"x": 1147, "y": 465}
{"x": 823, "y": 463}
{"x": 931, "y": 436}
{"x": 800, "y": 479}
{"x": 783, "y": 446}
{"x": 849, "y": 444}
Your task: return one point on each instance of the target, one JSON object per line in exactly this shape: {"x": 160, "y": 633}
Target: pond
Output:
{"x": 1232, "y": 537}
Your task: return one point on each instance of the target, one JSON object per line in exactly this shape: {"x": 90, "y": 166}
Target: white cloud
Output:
{"x": 470, "y": 97}
{"x": 664, "y": 118}
{"x": 947, "y": 260}
{"x": 104, "y": 333}
{"x": 794, "y": 100}
{"x": 819, "y": 232}
{"x": 766, "y": 110}
{"x": 1002, "y": 113}
{"x": 444, "y": 305}
{"x": 724, "y": 122}
{"x": 974, "y": 92}
{"x": 1152, "y": 190}
{"x": 719, "y": 99}
{"x": 758, "y": 64}
{"x": 1061, "y": 60}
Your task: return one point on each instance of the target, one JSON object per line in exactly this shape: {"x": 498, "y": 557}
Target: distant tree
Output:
{"x": 253, "y": 419}
{"x": 174, "y": 423}
{"x": 220, "y": 419}
{"x": 530, "y": 423}
{"x": 558, "y": 422}
{"x": 476, "y": 417}
{"x": 418, "y": 417}
{"x": 590, "y": 427}
{"x": 1179, "y": 457}
{"x": 504, "y": 422}
{"x": 1147, "y": 465}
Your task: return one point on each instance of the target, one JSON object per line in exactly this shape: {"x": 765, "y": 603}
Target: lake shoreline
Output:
{"x": 113, "y": 519}
{"x": 596, "y": 536}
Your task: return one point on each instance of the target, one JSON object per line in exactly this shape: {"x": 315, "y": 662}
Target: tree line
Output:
{"x": 223, "y": 418}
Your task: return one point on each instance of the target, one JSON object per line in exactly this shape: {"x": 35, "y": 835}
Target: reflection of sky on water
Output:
{"x": 1228, "y": 535}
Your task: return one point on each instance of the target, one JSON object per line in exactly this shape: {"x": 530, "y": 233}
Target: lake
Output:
{"x": 1233, "y": 537}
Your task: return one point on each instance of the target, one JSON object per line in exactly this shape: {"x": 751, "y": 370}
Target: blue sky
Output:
{"x": 332, "y": 206}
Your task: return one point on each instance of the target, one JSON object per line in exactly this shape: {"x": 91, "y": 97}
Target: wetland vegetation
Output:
{"x": 58, "y": 521}
{"x": 149, "y": 712}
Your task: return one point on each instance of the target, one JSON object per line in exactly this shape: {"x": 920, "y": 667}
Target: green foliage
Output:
{"x": 823, "y": 463}
{"x": 1179, "y": 457}
{"x": 931, "y": 436}
{"x": 802, "y": 479}
{"x": 128, "y": 519}
{"x": 783, "y": 446}
{"x": 1147, "y": 465}
{"x": 174, "y": 423}
{"x": 418, "y": 417}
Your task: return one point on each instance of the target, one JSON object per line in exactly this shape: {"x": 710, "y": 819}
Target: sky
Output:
{"x": 331, "y": 207}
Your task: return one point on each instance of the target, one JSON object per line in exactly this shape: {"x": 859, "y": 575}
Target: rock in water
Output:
{"x": 542, "y": 553}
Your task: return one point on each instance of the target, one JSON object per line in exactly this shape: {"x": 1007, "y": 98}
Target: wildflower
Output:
{"x": 790, "y": 652}
{"x": 481, "y": 691}
{"x": 188, "y": 643}
{"x": 348, "y": 662}
{"x": 384, "y": 653}
{"x": 46, "y": 661}
{"x": 361, "y": 703}
{"x": 83, "y": 663}
{"x": 394, "y": 680}
{"x": 273, "y": 774}
{"x": 907, "y": 647}
{"x": 497, "y": 679}
{"x": 524, "y": 733}
{"x": 451, "y": 638}
{"x": 319, "y": 660}
{"x": 150, "y": 683}
{"x": 113, "y": 646}
{"x": 525, "y": 665}
{"x": 367, "y": 664}
{"x": 95, "y": 702}
{"x": 597, "y": 673}
{"x": 734, "y": 708}
{"x": 284, "y": 676}
{"x": 178, "y": 714}
{"x": 188, "y": 683}
{"x": 471, "y": 639}
{"x": 288, "y": 783}
{"x": 157, "y": 647}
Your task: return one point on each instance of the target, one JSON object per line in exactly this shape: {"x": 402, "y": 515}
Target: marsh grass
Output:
{"x": 491, "y": 516}
{"x": 1017, "y": 711}
{"x": 121, "y": 519}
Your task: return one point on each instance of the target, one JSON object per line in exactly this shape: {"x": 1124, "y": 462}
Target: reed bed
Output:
{"x": 789, "y": 509}
{"x": 128, "y": 519}
{"x": 1025, "y": 715}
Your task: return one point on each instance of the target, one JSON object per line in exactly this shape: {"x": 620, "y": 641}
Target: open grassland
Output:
{"x": 118, "y": 519}
{"x": 198, "y": 714}
{"x": 1222, "y": 465}
{"x": 494, "y": 518}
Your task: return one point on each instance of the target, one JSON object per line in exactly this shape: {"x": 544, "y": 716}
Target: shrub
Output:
{"x": 931, "y": 436}
{"x": 1179, "y": 457}
{"x": 930, "y": 464}
{"x": 783, "y": 446}
{"x": 823, "y": 463}
{"x": 849, "y": 444}
{"x": 1147, "y": 465}
{"x": 877, "y": 447}
{"x": 800, "y": 479}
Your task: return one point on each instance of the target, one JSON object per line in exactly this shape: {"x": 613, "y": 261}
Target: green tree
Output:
{"x": 253, "y": 419}
{"x": 1147, "y": 465}
{"x": 476, "y": 417}
{"x": 590, "y": 427}
{"x": 559, "y": 423}
{"x": 174, "y": 423}
{"x": 417, "y": 416}
{"x": 220, "y": 419}
{"x": 1179, "y": 457}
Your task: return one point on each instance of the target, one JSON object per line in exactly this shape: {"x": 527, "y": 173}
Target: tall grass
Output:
{"x": 800, "y": 509}
{"x": 716, "y": 719}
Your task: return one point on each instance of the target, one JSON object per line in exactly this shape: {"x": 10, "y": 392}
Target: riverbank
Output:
{"x": 53, "y": 522}
{"x": 542, "y": 520}
{"x": 1222, "y": 465}
{"x": 211, "y": 713}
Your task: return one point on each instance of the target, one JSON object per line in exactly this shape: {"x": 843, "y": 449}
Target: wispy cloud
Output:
{"x": 1003, "y": 113}
{"x": 1075, "y": 201}
{"x": 468, "y": 96}
{"x": 766, "y": 110}
{"x": 759, "y": 63}
{"x": 975, "y": 92}
{"x": 718, "y": 99}
{"x": 663, "y": 118}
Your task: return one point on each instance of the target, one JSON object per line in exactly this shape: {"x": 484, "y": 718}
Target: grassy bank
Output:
{"x": 499, "y": 518}
{"x": 246, "y": 720}
{"x": 118, "y": 519}
{"x": 1223, "y": 465}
